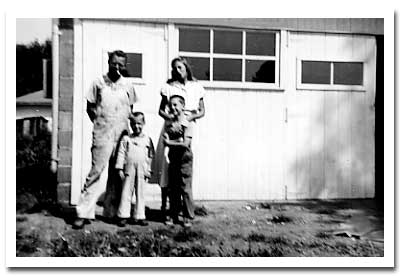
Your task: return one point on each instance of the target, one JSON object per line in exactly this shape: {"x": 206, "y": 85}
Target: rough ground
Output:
{"x": 238, "y": 228}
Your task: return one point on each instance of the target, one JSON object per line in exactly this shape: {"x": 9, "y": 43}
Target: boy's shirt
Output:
{"x": 135, "y": 151}
{"x": 180, "y": 128}
{"x": 192, "y": 92}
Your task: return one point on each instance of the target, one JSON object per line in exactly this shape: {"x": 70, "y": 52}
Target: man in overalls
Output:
{"x": 109, "y": 104}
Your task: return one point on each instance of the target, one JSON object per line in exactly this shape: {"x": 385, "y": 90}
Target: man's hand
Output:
{"x": 121, "y": 174}
{"x": 147, "y": 174}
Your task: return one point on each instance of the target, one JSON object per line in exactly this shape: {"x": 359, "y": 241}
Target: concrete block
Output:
{"x": 64, "y": 174}
{"x": 65, "y": 121}
{"x": 65, "y": 139}
{"x": 65, "y": 156}
{"x": 65, "y": 104}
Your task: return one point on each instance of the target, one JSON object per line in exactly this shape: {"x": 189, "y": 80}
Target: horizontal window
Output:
{"x": 348, "y": 73}
{"x": 227, "y": 55}
{"x": 318, "y": 72}
{"x": 330, "y": 75}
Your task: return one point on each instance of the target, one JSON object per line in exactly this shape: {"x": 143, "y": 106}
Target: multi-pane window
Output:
{"x": 221, "y": 55}
{"x": 332, "y": 73}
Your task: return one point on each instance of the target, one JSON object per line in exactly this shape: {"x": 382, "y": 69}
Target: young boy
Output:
{"x": 135, "y": 154}
{"x": 178, "y": 138}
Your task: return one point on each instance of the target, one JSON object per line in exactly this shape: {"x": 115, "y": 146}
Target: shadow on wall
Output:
{"x": 335, "y": 159}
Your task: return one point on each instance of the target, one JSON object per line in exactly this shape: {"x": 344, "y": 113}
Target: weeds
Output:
{"x": 325, "y": 211}
{"x": 281, "y": 219}
{"x": 255, "y": 237}
{"x": 27, "y": 243}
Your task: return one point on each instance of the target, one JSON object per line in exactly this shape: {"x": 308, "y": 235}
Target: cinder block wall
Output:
{"x": 66, "y": 84}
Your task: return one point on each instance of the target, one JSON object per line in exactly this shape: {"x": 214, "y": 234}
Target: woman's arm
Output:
{"x": 200, "y": 112}
{"x": 161, "y": 110}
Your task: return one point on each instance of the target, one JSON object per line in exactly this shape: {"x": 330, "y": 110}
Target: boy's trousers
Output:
{"x": 180, "y": 182}
{"x": 133, "y": 184}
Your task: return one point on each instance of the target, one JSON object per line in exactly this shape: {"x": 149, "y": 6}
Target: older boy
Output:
{"x": 178, "y": 138}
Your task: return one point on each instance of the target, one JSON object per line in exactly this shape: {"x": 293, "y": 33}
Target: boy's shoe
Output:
{"x": 186, "y": 223}
{"x": 168, "y": 221}
{"x": 79, "y": 223}
{"x": 122, "y": 222}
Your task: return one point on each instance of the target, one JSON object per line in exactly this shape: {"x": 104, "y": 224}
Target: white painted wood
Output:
{"x": 246, "y": 147}
{"x": 339, "y": 125}
{"x": 97, "y": 38}
{"x": 76, "y": 172}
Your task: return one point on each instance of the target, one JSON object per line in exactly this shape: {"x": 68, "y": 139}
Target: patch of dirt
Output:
{"x": 226, "y": 229}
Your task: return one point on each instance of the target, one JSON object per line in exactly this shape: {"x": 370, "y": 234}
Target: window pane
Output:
{"x": 227, "y": 69}
{"x": 134, "y": 65}
{"x": 200, "y": 67}
{"x": 317, "y": 72}
{"x": 194, "y": 40}
{"x": 260, "y": 71}
{"x": 350, "y": 73}
{"x": 258, "y": 43}
{"x": 227, "y": 42}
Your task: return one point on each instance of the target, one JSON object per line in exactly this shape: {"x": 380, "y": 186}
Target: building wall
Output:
{"x": 65, "y": 126}
{"x": 286, "y": 143}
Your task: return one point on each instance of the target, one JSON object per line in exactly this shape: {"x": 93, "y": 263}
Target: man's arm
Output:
{"x": 91, "y": 110}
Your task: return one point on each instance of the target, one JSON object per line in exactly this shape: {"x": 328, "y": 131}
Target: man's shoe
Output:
{"x": 141, "y": 222}
{"x": 122, "y": 222}
{"x": 78, "y": 223}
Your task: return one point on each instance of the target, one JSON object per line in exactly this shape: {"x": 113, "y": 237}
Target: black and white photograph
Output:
{"x": 200, "y": 137}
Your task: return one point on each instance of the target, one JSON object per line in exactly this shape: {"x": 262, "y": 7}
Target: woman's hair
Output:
{"x": 187, "y": 66}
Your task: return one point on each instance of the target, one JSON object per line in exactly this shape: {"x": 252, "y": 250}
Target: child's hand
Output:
{"x": 189, "y": 118}
{"x": 121, "y": 174}
{"x": 166, "y": 140}
{"x": 147, "y": 174}
{"x": 166, "y": 157}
